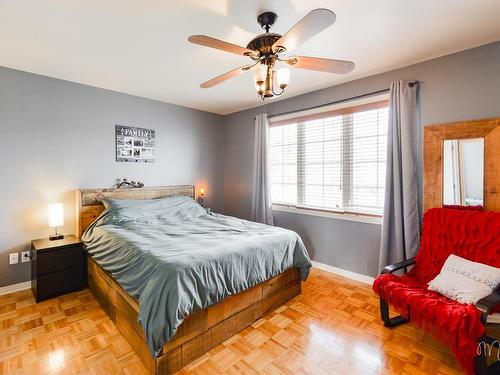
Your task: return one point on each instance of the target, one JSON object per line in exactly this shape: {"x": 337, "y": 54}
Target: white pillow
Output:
{"x": 465, "y": 281}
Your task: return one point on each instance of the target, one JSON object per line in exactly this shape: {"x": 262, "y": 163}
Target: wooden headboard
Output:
{"x": 434, "y": 137}
{"x": 89, "y": 201}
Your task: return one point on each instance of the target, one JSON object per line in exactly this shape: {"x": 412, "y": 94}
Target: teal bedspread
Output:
{"x": 176, "y": 258}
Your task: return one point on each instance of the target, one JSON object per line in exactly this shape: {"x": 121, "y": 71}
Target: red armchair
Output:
{"x": 473, "y": 235}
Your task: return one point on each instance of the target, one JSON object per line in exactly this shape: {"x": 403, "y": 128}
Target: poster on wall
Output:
{"x": 135, "y": 144}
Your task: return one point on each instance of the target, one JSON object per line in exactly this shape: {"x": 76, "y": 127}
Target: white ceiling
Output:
{"x": 140, "y": 47}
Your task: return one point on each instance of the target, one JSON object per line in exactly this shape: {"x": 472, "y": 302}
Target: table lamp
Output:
{"x": 56, "y": 219}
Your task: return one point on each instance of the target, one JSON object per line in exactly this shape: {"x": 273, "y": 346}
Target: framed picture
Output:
{"x": 135, "y": 144}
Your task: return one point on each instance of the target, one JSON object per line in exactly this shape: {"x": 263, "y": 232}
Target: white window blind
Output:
{"x": 331, "y": 161}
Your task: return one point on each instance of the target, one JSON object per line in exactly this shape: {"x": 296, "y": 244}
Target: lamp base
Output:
{"x": 56, "y": 237}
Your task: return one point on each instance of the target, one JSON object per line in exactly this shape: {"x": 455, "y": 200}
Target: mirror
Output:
{"x": 463, "y": 166}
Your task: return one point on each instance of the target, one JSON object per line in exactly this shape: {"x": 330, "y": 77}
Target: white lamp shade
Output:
{"x": 56, "y": 215}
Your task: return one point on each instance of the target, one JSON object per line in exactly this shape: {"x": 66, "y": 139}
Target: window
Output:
{"x": 331, "y": 161}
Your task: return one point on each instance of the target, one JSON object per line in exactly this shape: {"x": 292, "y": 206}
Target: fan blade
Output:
{"x": 207, "y": 41}
{"x": 226, "y": 76}
{"x": 322, "y": 65}
{"x": 313, "y": 23}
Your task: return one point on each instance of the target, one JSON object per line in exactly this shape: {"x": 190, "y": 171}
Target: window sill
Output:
{"x": 328, "y": 214}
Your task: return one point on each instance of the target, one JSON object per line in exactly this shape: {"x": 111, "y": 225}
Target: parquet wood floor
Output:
{"x": 332, "y": 328}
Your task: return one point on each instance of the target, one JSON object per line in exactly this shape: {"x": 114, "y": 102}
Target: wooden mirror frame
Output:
{"x": 434, "y": 136}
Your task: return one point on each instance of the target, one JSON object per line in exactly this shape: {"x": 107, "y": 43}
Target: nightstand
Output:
{"x": 57, "y": 267}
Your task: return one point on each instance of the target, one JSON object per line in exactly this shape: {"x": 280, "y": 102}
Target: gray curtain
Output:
{"x": 261, "y": 198}
{"x": 401, "y": 222}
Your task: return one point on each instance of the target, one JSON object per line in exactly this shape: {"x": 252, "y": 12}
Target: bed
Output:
{"x": 207, "y": 300}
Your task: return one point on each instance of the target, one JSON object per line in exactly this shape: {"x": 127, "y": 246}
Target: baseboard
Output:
{"x": 321, "y": 266}
{"x": 339, "y": 271}
{"x": 15, "y": 287}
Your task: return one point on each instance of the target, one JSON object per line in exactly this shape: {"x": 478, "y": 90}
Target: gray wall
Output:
{"x": 461, "y": 86}
{"x": 57, "y": 136}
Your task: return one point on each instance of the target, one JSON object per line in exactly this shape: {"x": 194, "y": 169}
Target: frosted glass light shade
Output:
{"x": 283, "y": 76}
{"x": 259, "y": 77}
{"x": 56, "y": 215}
{"x": 259, "y": 73}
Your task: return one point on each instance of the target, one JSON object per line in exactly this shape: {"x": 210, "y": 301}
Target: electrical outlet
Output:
{"x": 13, "y": 258}
{"x": 25, "y": 256}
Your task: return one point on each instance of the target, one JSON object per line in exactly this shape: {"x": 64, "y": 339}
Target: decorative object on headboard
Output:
{"x": 126, "y": 184}
{"x": 135, "y": 144}
{"x": 434, "y": 137}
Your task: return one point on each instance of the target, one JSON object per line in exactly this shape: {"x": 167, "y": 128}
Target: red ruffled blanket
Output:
{"x": 473, "y": 235}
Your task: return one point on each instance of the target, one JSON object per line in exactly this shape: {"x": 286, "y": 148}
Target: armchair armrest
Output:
{"x": 397, "y": 266}
{"x": 487, "y": 304}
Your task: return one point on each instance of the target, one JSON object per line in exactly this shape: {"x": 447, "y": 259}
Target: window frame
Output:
{"x": 345, "y": 109}
{"x": 341, "y": 215}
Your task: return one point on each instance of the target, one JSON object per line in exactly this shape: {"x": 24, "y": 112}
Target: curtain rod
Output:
{"x": 411, "y": 83}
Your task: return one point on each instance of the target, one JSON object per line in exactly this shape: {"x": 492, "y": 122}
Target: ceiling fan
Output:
{"x": 269, "y": 53}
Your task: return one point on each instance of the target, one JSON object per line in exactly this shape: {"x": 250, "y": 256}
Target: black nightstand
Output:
{"x": 57, "y": 267}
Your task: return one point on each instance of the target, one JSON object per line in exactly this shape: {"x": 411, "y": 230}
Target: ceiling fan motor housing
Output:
{"x": 262, "y": 43}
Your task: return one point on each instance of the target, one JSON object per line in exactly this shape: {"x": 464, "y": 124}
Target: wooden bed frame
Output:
{"x": 201, "y": 330}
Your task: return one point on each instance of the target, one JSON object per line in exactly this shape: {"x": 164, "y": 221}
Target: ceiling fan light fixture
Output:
{"x": 269, "y": 74}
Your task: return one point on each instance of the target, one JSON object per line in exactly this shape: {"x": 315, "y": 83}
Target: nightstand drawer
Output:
{"x": 57, "y": 283}
{"x": 58, "y": 260}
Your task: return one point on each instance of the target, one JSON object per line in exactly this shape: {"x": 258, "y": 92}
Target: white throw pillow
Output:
{"x": 465, "y": 281}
